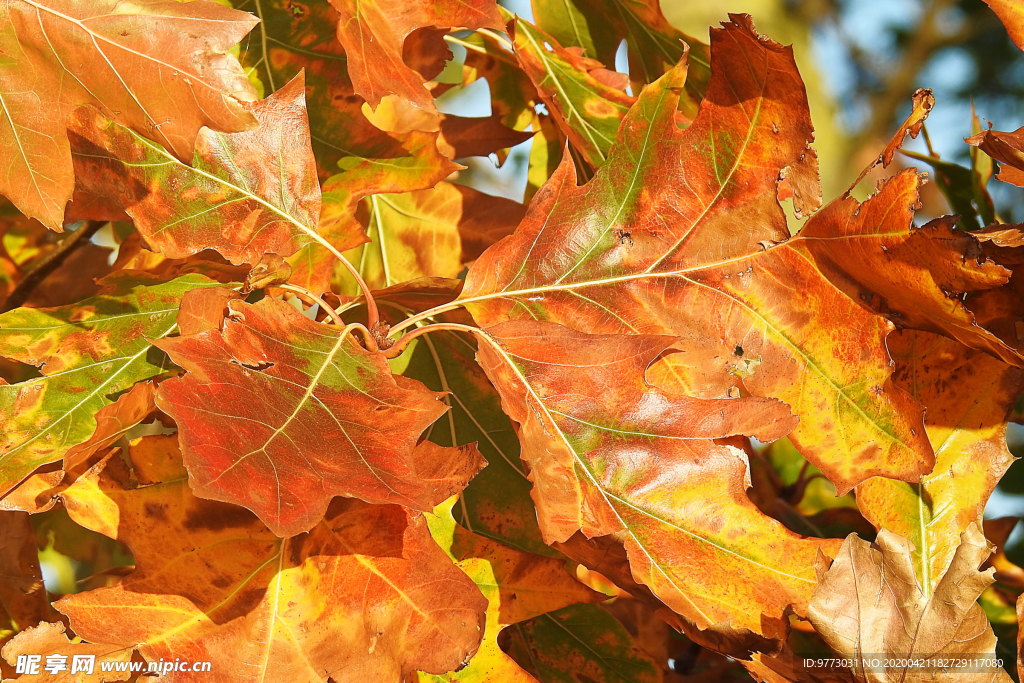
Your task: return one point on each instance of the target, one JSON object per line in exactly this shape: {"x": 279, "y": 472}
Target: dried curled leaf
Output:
{"x": 366, "y": 595}
{"x": 914, "y": 276}
{"x": 869, "y": 604}
{"x": 279, "y": 413}
{"x": 160, "y": 68}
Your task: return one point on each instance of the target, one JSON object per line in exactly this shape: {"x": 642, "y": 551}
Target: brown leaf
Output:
{"x": 869, "y": 604}
{"x": 463, "y": 136}
{"x": 1007, "y": 148}
{"x": 50, "y": 642}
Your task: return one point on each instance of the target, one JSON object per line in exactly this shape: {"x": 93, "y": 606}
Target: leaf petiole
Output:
{"x": 400, "y": 345}
{"x": 368, "y": 339}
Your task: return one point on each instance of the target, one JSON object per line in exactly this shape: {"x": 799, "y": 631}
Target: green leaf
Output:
{"x": 88, "y": 353}
{"x": 559, "y": 646}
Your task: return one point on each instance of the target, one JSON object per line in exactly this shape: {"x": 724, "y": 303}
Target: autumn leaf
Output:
{"x": 23, "y": 600}
{"x": 88, "y": 353}
{"x": 1011, "y": 13}
{"x": 968, "y": 394}
{"x": 428, "y": 233}
{"x": 365, "y": 595}
{"x": 587, "y": 100}
{"x": 518, "y": 586}
{"x": 244, "y": 194}
{"x": 39, "y": 492}
{"x": 707, "y": 257}
{"x": 293, "y": 37}
{"x": 279, "y": 414}
{"x": 580, "y": 640}
{"x": 496, "y": 504}
{"x": 373, "y": 33}
{"x": 610, "y": 454}
{"x": 160, "y": 69}
{"x": 49, "y": 641}
{"x": 654, "y": 46}
{"x": 1006, "y": 148}
{"x": 869, "y": 604}
{"x": 916, "y": 277}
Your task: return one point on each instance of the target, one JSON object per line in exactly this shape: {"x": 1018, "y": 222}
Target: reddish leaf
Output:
{"x": 676, "y": 234}
{"x": 366, "y": 595}
{"x": 610, "y": 454}
{"x": 245, "y": 193}
{"x": 1007, "y": 148}
{"x": 160, "y": 68}
{"x": 279, "y": 414}
{"x": 916, "y": 277}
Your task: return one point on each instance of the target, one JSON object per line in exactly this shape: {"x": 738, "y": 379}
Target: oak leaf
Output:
{"x": 587, "y": 99}
{"x": 653, "y": 45}
{"x": 610, "y": 454}
{"x": 869, "y": 604}
{"x": 160, "y": 68}
{"x": 680, "y": 233}
{"x": 518, "y": 586}
{"x": 366, "y": 595}
{"x": 244, "y": 194}
{"x": 279, "y": 413}
{"x": 496, "y": 504}
{"x": 968, "y": 394}
{"x": 373, "y": 33}
{"x": 88, "y": 353}
{"x": 50, "y": 640}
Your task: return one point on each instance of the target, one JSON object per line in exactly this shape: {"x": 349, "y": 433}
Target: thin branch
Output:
{"x": 429, "y": 313}
{"x": 302, "y": 292}
{"x": 306, "y": 294}
{"x": 372, "y": 316}
{"x": 400, "y": 345}
{"x": 51, "y": 262}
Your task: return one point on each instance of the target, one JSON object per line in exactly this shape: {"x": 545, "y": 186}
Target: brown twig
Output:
{"x": 51, "y": 262}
